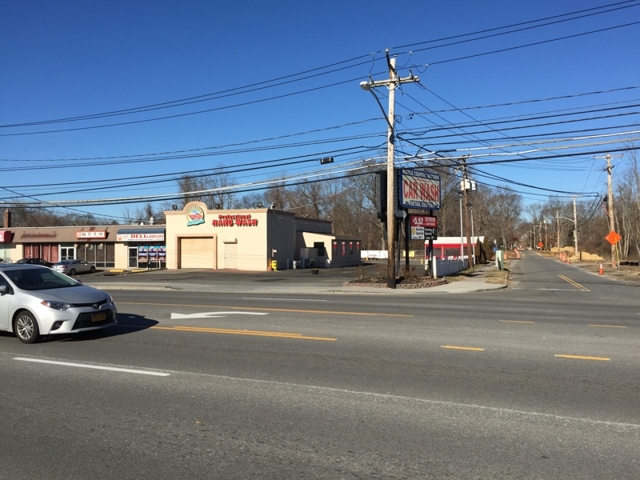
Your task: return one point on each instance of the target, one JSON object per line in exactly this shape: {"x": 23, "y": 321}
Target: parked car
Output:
{"x": 71, "y": 267}
{"x": 36, "y": 301}
{"x": 35, "y": 261}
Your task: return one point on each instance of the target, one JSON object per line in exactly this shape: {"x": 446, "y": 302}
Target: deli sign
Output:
{"x": 418, "y": 189}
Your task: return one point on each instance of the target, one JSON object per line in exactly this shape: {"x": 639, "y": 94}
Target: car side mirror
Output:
{"x": 4, "y": 289}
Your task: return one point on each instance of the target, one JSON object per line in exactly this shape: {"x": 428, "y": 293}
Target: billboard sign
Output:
{"x": 418, "y": 189}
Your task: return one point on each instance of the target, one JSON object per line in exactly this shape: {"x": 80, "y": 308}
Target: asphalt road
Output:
{"x": 540, "y": 380}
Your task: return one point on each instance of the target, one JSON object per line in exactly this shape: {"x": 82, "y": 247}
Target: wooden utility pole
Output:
{"x": 575, "y": 229}
{"x": 558, "y": 230}
{"x": 466, "y": 185}
{"x": 610, "y": 211}
{"x": 391, "y": 84}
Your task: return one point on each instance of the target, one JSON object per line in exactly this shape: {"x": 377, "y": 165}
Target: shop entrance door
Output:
{"x": 133, "y": 257}
{"x": 67, "y": 253}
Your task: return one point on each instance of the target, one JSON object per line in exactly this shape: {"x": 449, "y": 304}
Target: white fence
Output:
{"x": 444, "y": 267}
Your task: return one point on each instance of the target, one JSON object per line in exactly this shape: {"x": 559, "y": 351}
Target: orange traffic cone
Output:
{"x": 601, "y": 270}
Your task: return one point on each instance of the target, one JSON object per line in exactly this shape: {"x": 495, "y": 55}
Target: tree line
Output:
{"x": 498, "y": 212}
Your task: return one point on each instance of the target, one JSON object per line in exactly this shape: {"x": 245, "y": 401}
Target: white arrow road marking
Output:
{"x": 181, "y": 316}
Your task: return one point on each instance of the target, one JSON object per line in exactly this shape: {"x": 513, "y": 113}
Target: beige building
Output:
{"x": 253, "y": 240}
{"x": 194, "y": 237}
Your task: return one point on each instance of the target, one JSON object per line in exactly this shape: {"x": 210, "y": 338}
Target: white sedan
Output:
{"x": 71, "y": 267}
{"x": 37, "y": 300}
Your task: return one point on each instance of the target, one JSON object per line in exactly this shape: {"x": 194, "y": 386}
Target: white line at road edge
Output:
{"x": 425, "y": 401}
{"x": 95, "y": 367}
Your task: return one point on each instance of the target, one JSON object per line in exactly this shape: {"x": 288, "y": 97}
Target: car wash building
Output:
{"x": 255, "y": 240}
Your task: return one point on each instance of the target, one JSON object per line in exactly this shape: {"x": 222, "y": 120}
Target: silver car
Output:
{"x": 36, "y": 301}
{"x": 71, "y": 267}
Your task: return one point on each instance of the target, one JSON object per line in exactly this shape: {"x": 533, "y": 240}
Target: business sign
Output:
{"x": 140, "y": 237}
{"x": 423, "y": 227}
{"x": 234, "y": 220}
{"x": 430, "y": 233}
{"x": 5, "y": 236}
{"x": 91, "y": 234}
{"x": 418, "y": 189}
{"x": 195, "y": 216}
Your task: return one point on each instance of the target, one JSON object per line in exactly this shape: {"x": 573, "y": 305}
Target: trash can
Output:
{"x": 274, "y": 265}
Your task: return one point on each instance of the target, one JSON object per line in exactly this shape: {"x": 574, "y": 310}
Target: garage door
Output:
{"x": 199, "y": 252}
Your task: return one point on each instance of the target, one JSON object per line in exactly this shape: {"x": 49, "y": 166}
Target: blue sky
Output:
{"x": 69, "y": 59}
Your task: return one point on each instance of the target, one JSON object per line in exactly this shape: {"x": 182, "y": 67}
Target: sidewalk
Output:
{"x": 475, "y": 281}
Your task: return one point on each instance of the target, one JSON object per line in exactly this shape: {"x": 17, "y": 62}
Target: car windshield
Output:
{"x": 39, "y": 279}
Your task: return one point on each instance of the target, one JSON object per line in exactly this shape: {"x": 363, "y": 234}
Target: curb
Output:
{"x": 409, "y": 286}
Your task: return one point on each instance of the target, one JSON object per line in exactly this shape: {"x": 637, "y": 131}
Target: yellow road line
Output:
{"x": 255, "y": 333}
{"x": 581, "y": 357}
{"x": 515, "y": 321}
{"x": 266, "y": 309}
{"x": 608, "y": 326}
{"x": 453, "y": 347}
{"x": 575, "y": 284}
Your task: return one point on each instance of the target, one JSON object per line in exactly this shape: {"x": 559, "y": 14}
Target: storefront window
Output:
{"x": 102, "y": 255}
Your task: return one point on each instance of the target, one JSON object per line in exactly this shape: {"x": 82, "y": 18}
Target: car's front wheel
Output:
{"x": 26, "y": 327}
{"x": 92, "y": 269}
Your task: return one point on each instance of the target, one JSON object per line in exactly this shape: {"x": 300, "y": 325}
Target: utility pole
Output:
{"x": 558, "y": 230}
{"x": 575, "y": 229}
{"x": 391, "y": 84}
{"x": 610, "y": 211}
{"x": 466, "y": 183}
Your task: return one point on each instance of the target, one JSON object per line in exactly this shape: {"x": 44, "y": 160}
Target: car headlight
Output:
{"x": 62, "y": 306}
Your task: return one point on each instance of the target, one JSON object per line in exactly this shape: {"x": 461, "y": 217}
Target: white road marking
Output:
{"x": 182, "y": 316}
{"x": 305, "y": 300}
{"x": 95, "y": 367}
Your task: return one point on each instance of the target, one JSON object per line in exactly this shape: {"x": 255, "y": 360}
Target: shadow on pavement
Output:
{"x": 127, "y": 323}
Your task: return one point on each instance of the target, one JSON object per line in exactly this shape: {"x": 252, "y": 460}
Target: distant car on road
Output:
{"x": 35, "y": 261}
{"x": 36, "y": 300}
{"x": 71, "y": 267}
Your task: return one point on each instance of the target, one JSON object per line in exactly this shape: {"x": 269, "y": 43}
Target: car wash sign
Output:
{"x": 418, "y": 189}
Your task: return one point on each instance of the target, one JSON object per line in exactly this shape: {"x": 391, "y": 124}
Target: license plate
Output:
{"x": 98, "y": 317}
